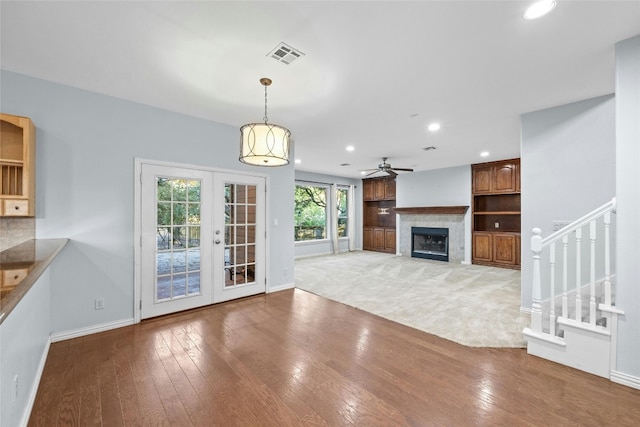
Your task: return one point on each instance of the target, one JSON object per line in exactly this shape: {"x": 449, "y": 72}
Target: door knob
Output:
{"x": 217, "y": 241}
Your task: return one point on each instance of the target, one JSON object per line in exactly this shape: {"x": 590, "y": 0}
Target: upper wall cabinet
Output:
{"x": 500, "y": 177}
{"x": 379, "y": 188}
{"x": 17, "y": 166}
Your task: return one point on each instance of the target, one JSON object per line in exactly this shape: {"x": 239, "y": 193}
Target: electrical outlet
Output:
{"x": 99, "y": 303}
{"x": 497, "y": 225}
{"x": 559, "y": 224}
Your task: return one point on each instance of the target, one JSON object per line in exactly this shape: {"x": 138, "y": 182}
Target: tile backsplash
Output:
{"x": 14, "y": 231}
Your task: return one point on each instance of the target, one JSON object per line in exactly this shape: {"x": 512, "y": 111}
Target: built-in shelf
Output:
{"x": 437, "y": 210}
{"x": 498, "y": 213}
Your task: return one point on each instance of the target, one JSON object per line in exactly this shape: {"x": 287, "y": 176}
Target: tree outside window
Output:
{"x": 343, "y": 213}
{"x": 310, "y": 214}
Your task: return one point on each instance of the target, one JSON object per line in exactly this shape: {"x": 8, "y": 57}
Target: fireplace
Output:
{"x": 430, "y": 243}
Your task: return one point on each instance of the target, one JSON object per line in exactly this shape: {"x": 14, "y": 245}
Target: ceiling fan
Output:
{"x": 386, "y": 167}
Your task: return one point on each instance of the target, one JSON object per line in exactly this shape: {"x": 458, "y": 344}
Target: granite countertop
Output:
{"x": 22, "y": 265}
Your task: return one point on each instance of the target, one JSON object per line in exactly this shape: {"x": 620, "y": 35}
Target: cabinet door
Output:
{"x": 481, "y": 179}
{"x": 482, "y": 247}
{"x": 504, "y": 249}
{"x": 389, "y": 189}
{"x": 367, "y": 239}
{"x": 378, "y": 189}
{"x": 504, "y": 178}
{"x": 378, "y": 238}
{"x": 390, "y": 240}
{"x": 367, "y": 189}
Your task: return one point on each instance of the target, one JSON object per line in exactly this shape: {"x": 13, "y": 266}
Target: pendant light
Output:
{"x": 264, "y": 144}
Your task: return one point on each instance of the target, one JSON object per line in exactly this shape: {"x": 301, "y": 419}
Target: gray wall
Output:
{"x": 628, "y": 210}
{"x": 86, "y": 145}
{"x": 312, "y": 248}
{"x": 438, "y": 187}
{"x": 567, "y": 168}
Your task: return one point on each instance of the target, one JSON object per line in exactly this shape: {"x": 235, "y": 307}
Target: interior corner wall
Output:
{"x": 86, "y": 144}
{"x": 438, "y": 187}
{"x": 628, "y": 205}
{"x": 323, "y": 247}
{"x": 568, "y": 161}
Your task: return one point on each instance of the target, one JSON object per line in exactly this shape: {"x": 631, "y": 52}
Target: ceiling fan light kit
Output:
{"x": 264, "y": 144}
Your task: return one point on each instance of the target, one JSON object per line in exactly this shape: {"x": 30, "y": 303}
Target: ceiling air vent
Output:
{"x": 285, "y": 53}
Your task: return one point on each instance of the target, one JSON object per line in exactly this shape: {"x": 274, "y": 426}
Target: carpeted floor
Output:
{"x": 472, "y": 305}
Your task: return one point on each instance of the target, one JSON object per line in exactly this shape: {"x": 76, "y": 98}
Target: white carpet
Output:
{"x": 472, "y": 305}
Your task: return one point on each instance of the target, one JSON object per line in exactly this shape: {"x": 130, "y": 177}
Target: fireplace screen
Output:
{"x": 430, "y": 243}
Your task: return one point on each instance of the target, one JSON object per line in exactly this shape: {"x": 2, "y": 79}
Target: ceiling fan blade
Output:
{"x": 391, "y": 172}
{"x": 371, "y": 173}
{"x": 403, "y": 169}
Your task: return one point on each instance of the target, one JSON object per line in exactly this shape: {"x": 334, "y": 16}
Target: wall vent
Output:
{"x": 285, "y": 53}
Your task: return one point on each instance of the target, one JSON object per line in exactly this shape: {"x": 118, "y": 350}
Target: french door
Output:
{"x": 202, "y": 238}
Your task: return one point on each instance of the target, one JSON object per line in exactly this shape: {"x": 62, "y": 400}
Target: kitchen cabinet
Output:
{"x": 17, "y": 166}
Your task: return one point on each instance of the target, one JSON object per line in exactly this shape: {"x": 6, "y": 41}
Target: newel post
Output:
{"x": 536, "y": 296}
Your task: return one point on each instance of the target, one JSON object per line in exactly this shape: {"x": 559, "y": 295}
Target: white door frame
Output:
{"x": 137, "y": 221}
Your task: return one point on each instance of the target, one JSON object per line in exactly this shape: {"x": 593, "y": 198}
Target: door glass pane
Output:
{"x": 240, "y": 238}
{"x": 178, "y": 238}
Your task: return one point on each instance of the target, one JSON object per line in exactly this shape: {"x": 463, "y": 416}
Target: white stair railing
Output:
{"x": 575, "y": 229}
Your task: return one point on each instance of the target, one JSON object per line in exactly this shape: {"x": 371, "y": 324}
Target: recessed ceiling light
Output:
{"x": 434, "y": 127}
{"x": 539, "y": 9}
{"x": 298, "y": 161}
{"x": 484, "y": 154}
{"x": 350, "y": 148}
{"x": 363, "y": 173}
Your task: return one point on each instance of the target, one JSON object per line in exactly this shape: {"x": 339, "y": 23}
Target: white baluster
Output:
{"x": 552, "y": 289}
{"x": 592, "y": 271}
{"x": 578, "y": 276}
{"x": 565, "y": 282}
{"x": 607, "y": 259}
{"x": 536, "y": 297}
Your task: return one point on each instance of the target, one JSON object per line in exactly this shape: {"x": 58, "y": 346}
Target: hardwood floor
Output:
{"x": 293, "y": 358}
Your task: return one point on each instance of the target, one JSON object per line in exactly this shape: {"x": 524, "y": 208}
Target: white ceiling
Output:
{"x": 374, "y": 74}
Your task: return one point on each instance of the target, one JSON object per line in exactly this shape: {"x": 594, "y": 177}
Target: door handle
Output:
{"x": 217, "y": 241}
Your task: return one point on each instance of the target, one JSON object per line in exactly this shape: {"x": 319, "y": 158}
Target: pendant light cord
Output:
{"x": 265, "y": 105}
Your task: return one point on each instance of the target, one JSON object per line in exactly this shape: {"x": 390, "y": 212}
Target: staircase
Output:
{"x": 574, "y": 319}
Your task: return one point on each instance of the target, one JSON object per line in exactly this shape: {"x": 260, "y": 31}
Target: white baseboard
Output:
{"x": 62, "y": 336}
{"x": 281, "y": 288}
{"x": 625, "y": 379}
{"x": 34, "y": 387}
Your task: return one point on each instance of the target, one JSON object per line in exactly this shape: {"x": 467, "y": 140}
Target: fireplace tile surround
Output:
{"x": 453, "y": 221}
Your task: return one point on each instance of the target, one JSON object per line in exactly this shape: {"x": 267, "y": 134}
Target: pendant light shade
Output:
{"x": 264, "y": 144}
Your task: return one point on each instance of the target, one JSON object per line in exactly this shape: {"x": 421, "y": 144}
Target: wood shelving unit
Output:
{"x": 496, "y": 213}
{"x": 379, "y": 216}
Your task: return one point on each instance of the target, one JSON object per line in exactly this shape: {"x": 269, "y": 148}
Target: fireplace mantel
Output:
{"x": 437, "y": 210}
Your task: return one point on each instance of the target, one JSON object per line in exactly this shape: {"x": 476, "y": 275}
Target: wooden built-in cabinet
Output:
{"x": 496, "y": 213}
{"x": 17, "y": 166}
{"x": 379, "y": 217}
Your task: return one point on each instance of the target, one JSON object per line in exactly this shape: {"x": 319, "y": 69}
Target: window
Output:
{"x": 343, "y": 211}
{"x": 310, "y": 215}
